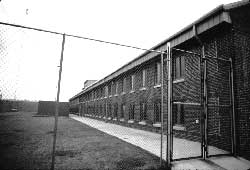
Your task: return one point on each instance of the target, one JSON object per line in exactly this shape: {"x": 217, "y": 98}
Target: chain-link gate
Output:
{"x": 219, "y": 108}
{"x": 186, "y": 105}
{"x": 202, "y": 109}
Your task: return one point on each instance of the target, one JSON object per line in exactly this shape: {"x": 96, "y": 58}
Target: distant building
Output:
{"x": 48, "y": 108}
{"x": 210, "y": 61}
{"x": 88, "y": 83}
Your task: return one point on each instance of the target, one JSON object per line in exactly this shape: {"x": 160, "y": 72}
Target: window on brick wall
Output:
{"x": 103, "y": 91}
{"x": 109, "y": 89}
{"x": 131, "y": 82}
{"x": 157, "y": 73}
{"x": 157, "y": 111}
{"x": 100, "y": 92}
{"x": 96, "y": 109}
{"x": 143, "y": 78}
{"x": 101, "y": 113}
{"x": 143, "y": 111}
{"x": 104, "y": 110}
{"x": 179, "y": 68}
{"x": 123, "y": 85}
{"x": 178, "y": 114}
{"x": 123, "y": 107}
{"x": 106, "y": 91}
{"x": 109, "y": 110}
{"x": 131, "y": 112}
{"x": 88, "y": 110}
{"x": 115, "y": 110}
{"x": 116, "y": 87}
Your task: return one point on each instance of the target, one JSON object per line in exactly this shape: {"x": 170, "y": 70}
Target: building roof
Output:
{"x": 215, "y": 17}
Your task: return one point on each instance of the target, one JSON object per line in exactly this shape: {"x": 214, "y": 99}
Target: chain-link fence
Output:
{"x": 190, "y": 109}
{"x": 131, "y": 96}
{"x": 219, "y": 108}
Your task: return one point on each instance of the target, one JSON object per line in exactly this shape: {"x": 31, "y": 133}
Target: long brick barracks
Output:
{"x": 200, "y": 82}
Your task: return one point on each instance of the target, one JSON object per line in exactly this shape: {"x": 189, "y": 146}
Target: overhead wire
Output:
{"x": 81, "y": 37}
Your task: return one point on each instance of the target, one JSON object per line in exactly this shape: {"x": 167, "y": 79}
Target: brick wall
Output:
{"x": 242, "y": 90}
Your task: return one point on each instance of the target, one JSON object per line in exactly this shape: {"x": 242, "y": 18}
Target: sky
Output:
{"x": 29, "y": 59}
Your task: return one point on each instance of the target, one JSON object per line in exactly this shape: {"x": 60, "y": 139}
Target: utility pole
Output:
{"x": 57, "y": 105}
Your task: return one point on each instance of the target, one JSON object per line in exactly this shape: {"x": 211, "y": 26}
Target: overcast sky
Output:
{"x": 29, "y": 59}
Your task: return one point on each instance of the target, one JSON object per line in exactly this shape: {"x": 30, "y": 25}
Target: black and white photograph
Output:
{"x": 124, "y": 85}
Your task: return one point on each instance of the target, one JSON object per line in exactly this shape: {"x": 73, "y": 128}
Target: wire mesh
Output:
{"x": 132, "y": 99}
{"x": 186, "y": 106}
{"x": 219, "y": 116}
{"x": 28, "y": 74}
{"x": 28, "y": 59}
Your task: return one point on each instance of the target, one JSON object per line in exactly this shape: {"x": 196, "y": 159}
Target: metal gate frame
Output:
{"x": 203, "y": 104}
{"x": 171, "y": 102}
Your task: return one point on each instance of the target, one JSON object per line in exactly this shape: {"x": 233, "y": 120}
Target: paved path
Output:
{"x": 182, "y": 148}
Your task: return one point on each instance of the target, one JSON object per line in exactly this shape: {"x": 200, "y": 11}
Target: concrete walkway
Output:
{"x": 182, "y": 148}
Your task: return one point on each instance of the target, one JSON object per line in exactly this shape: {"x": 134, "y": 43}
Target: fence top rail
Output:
{"x": 221, "y": 59}
{"x": 186, "y": 51}
{"x": 81, "y": 37}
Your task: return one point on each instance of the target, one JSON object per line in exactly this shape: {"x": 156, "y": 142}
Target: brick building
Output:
{"x": 208, "y": 88}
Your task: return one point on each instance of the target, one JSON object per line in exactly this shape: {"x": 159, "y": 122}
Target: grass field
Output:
{"x": 26, "y": 143}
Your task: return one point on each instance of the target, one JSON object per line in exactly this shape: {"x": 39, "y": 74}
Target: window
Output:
{"x": 131, "y": 112}
{"x": 109, "y": 110}
{"x": 157, "y": 111}
{"x": 115, "y": 110}
{"x": 101, "y": 91}
{"x": 123, "y": 107}
{"x": 104, "y": 110}
{"x": 94, "y": 94}
{"x": 101, "y": 110}
{"x": 116, "y": 88}
{"x": 179, "y": 67}
{"x": 143, "y": 78}
{"x": 143, "y": 111}
{"x": 109, "y": 89}
{"x": 178, "y": 114}
{"x": 106, "y": 91}
{"x": 131, "y": 82}
{"x": 158, "y": 73}
{"x": 123, "y": 85}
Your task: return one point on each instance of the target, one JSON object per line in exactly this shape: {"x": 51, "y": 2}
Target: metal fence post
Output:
{"x": 233, "y": 108}
{"x": 162, "y": 102}
{"x": 205, "y": 151}
{"x": 57, "y": 105}
{"x": 169, "y": 126}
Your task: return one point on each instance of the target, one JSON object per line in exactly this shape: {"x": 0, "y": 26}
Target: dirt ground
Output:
{"x": 26, "y": 143}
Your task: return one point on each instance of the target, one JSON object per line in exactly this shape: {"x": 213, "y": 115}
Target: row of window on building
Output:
{"x": 111, "y": 111}
{"x": 112, "y": 87}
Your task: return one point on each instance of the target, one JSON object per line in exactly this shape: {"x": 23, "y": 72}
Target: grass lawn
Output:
{"x": 26, "y": 143}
